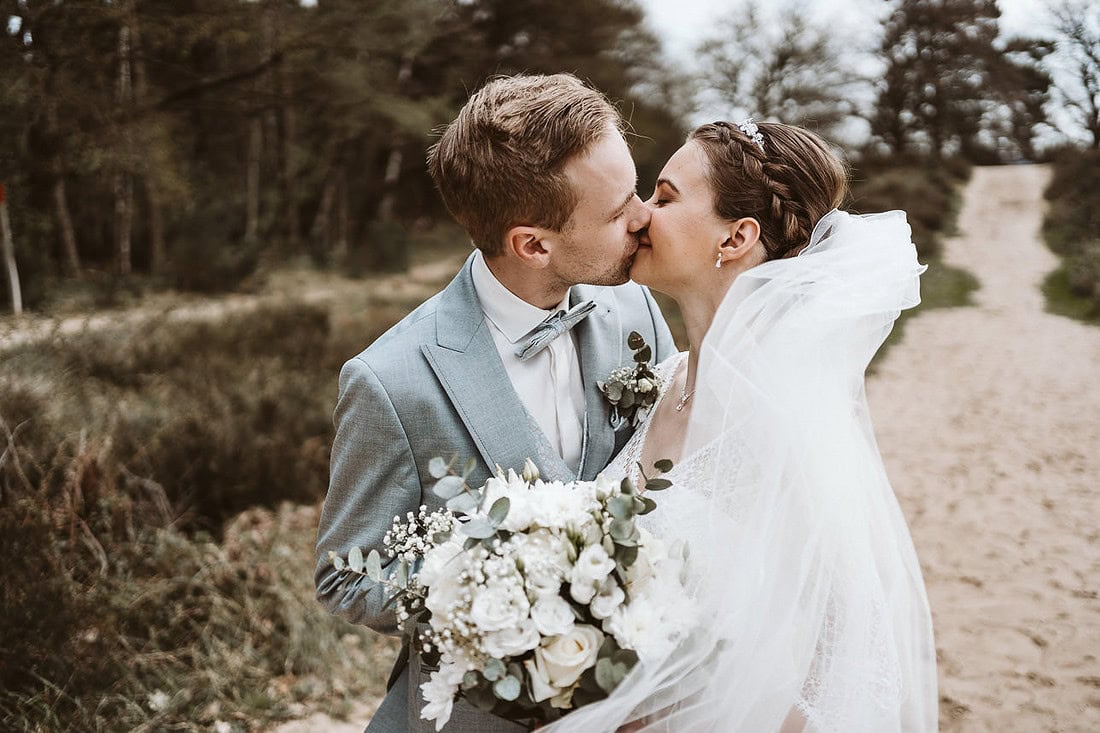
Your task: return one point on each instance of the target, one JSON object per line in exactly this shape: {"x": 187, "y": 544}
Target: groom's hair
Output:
{"x": 501, "y": 163}
{"x": 787, "y": 182}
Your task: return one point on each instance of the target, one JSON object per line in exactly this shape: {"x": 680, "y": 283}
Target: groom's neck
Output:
{"x": 539, "y": 287}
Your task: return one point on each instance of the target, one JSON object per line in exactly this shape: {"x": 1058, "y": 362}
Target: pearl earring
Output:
{"x": 718, "y": 264}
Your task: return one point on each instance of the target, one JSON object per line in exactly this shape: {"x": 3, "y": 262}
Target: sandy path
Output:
{"x": 989, "y": 420}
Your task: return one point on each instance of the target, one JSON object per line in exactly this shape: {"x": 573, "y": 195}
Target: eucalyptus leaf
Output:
{"x": 605, "y": 675}
{"x": 470, "y": 543}
{"x": 494, "y": 670}
{"x": 507, "y": 688}
{"x": 401, "y": 577}
{"x": 635, "y": 341}
{"x": 621, "y": 507}
{"x": 440, "y": 537}
{"x": 355, "y": 560}
{"x": 614, "y": 391}
{"x": 664, "y": 465}
{"x": 438, "y": 468}
{"x": 374, "y": 566}
{"x": 499, "y": 511}
{"x": 338, "y": 563}
{"x": 448, "y": 487}
{"x": 644, "y": 354}
{"x": 650, "y": 505}
{"x": 627, "y": 400}
{"x": 471, "y": 464}
{"x": 621, "y": 529}
{"x": 657, "y": 484}
{"x": 464, "y": 503}
{"x": 478, "y": 528}
{"x": 626, "y": 657}
{"x": 627, "y": 486}
{"x": 626, "y": 556}
{"x": 470, "y": 680}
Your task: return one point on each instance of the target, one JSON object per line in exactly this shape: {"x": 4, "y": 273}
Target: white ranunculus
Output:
{"x": 512, "y": 641}
{"x": 609, "y": 598}
{"x": 552, "y": 615}
{"x": 567, "y": 656}
{"x": 499, "y": 606}
{"x": 592, "y": 566}
{"x": 439, "y": 694}
{"x": 541, "y": 689}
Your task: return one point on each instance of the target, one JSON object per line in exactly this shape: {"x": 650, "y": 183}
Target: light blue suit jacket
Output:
{"x": 434, "y": 385}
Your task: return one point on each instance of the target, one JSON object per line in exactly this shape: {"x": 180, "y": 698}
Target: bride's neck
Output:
{"x": 698, "y": 311}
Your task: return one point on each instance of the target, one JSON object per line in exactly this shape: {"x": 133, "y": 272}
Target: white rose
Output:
{"x": 607, "y": 600}
{"x": 567, "y": 656}
{"x": 541, "y": 689}
{"x": 498, "y": 606}
{"x": 592, "y": 566}
{"x": 512, "y": 641}
{"x": 552, "y": 615}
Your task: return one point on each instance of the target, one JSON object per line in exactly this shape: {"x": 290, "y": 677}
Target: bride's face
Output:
{"x": 681, "y": 245}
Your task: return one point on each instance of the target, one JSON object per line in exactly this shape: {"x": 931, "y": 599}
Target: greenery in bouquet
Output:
{"x": 531, "y": 598}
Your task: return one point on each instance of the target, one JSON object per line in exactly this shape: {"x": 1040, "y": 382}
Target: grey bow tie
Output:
{"x": 551, "y": 328}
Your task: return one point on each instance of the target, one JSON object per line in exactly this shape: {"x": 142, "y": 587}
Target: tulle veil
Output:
{"x": 801, "y": 561}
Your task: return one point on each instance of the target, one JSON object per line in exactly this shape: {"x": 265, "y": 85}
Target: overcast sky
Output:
{"x": 682, "y": 23}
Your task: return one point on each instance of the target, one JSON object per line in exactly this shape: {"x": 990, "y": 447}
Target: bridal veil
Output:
{"x": 801, "y": 561}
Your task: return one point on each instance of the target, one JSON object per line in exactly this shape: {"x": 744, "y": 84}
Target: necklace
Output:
{"x": 684, "y": 397}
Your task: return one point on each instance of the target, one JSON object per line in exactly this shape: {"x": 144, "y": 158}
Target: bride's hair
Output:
{"x": 787, "y": 185}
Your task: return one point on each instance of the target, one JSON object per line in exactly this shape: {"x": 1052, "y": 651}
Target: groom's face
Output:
{"x": 597, "y": 246}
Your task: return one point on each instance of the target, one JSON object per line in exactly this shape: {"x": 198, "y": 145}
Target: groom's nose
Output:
{"x": 637, "y": 215}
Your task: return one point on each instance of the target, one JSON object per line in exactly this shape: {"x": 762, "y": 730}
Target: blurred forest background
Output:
{"x": 207, "y": 205}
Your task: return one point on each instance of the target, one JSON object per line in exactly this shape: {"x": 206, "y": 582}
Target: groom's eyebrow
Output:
{"x": 623, "y": 205}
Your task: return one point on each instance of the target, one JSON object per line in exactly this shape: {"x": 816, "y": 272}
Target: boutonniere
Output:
{"x": 632, "y": 390}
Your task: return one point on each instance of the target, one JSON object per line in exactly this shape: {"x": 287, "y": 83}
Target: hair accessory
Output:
{"x": 749, "y": 128}
{"x": 718, "y": 264}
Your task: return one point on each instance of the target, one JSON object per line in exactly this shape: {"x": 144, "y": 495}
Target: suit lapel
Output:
{"x": 465, "y": 360}
{"x": 601, "y": 344}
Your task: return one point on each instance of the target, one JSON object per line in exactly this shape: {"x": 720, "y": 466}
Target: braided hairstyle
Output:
{"x": 787, "y": 187}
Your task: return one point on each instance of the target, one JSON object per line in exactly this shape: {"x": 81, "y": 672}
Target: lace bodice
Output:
{"x": 692, "y": 473}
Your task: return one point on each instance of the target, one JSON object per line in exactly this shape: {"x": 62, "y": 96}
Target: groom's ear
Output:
{"x": 528, "y": 244}
{"x": 744, "y": 235}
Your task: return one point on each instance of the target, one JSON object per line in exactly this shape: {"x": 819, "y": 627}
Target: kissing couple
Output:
{"x": 815, "y": 616}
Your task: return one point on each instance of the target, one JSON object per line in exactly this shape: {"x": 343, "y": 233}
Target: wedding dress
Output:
{"x": 800, "y": 559}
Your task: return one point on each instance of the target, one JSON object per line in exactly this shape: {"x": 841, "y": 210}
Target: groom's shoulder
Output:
{"x": 393, "y": 348}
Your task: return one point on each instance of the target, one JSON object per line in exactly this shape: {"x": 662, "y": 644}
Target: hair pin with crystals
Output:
{"x": 748, "y": 126}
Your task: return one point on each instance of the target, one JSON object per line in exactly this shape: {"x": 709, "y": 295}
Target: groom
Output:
{"x": 536, "y": 170}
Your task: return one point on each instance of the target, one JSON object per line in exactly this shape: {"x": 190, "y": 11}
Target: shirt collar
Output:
{"x": 514, "y": 316}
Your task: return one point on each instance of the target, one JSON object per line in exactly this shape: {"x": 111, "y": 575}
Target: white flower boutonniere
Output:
{"x": 632, "y": 390}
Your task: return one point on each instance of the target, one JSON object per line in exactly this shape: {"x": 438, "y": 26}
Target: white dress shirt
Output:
{"x": 549, "y": 384}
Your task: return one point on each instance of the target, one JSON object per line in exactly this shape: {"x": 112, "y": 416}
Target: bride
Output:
{"x": 802, "y": 563}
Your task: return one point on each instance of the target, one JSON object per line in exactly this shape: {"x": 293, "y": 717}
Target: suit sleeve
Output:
{"x": 664, "y": 345}
{"x": 373, "y": 477}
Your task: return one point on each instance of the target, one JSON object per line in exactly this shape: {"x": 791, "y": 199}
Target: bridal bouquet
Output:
{"x": 531, "y": 598}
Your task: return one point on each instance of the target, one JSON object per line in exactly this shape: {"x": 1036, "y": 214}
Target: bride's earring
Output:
{"x": 718, "y": 264}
